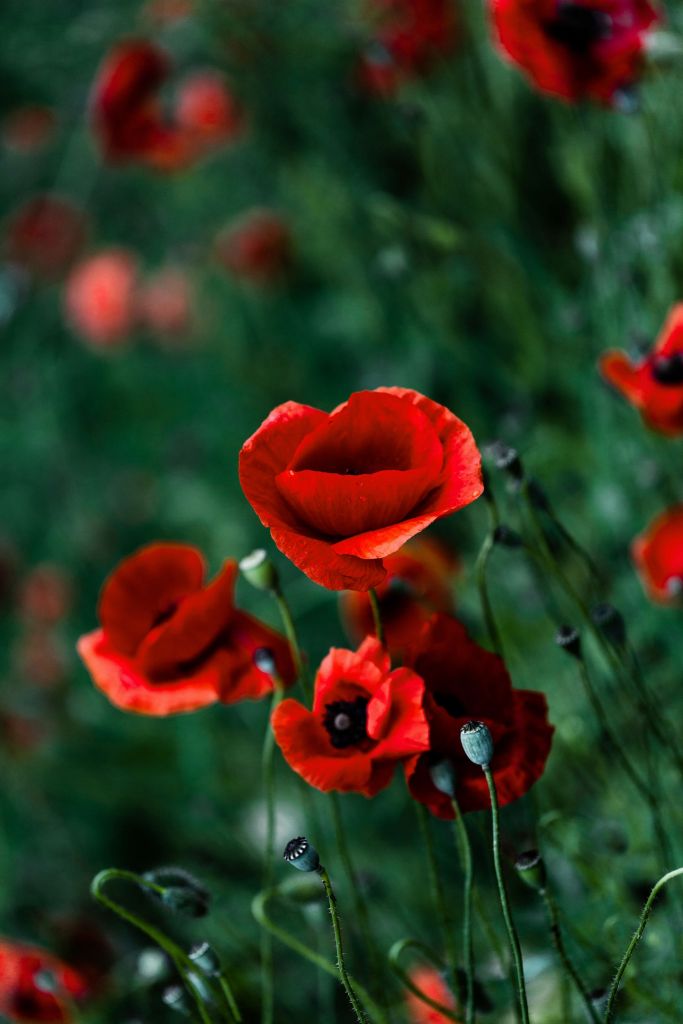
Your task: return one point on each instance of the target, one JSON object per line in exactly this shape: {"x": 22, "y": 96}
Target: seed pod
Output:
{"x": 443, "y": 777}
{"x": 569, "y": 639}
{"x": 258, "y": 570}
{"x": 206, "y": 959}
{"x": 477, "y": 743}
{"x": 301, "y": 855}
{"x": 531, "y": 869}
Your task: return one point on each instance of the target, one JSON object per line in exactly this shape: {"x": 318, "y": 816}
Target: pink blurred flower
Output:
{"x": 207, "y": 110}
{"x": 100, "y": 298}
{"x": 165, "y": 304}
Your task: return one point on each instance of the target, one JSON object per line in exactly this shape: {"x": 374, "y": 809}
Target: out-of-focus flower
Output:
{"x": 591, "y": 49}
{"x": 341, "y": 491}
{"x": 165, "y": 304}
{"x": 658, "y": 555}
{"x": 40, "y": 658}
{"x": 410, "y": 37}
{"x": 35, "y": 986}
{"x": 45, "y": 235}
{"x": 418, "y": 583}
{"x": 465, "y": 682}
{"x": 46, "y": 594}
{"x": 19, "y": 735}
{"x": 169, "y": 642}
{"x": 85, "y": 946}
{"x": 365, "y": 721}
{"x": 429, "y": 981}
{"x": 168, "y": 12}
{"x": 28, "y": 129}
{"x": 257, "y": 247}
{"x": 207, "y": 110}
{"x": 653, "y": 384}
{"x": 100, "y": 298}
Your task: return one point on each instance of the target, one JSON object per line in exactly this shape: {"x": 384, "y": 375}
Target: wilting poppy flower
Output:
{"x": 23, "y": 996}
{"x": 45, "y": 235}
{"x": 46, "y": 594}
{"x": 429, "y": 981}
{"x": 169, "y": 642}
{"x": 100, "y": 298}
{"x": 256, "y": 247}
{"x": 658, "y": 555}
{"x": 28, "y": 128}
{"x": 365, "y": 720}
{"x": 165, "y": 304}
{"x": 591, "y": 49}
{"x": 418, "y": 583}
{"x": 654, "y": 384}
{"x": 464, "y": 681}
{"x": 343, "y": 490}
{"x": 411, "y": 36}
{"x": 207, "y": 110}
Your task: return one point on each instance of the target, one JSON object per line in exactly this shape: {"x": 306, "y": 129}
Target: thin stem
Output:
{"x": 229, "y": 998}
{"x": 480, "y": 568}
{"x": 637, "y": 936}
{"x": 268, "y": 773}
{"x": 376, "y": 615}
{"x": 513, "y": 938}
{"x": 558, "y": 941}
{"x": 468, "y": 882}
{"x": 336, "y": 928}
{"x": 394, "y": 957}
{"x": 438, "y": 895}
{"x": 293, "y": 640}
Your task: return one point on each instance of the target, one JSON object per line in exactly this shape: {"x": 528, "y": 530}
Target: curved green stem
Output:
{"x": 341, "y": 965}
{"x": 513, "y": 938}
{"x": 468, "y": 883}
{"x": 637, "y": 936}
{"x": 558, "y": 941}
{"x": 438, "y": 895}
{"x": 394, "y": 957}
{"x": 268, "y": 773}
{"x": 376, "y": 615}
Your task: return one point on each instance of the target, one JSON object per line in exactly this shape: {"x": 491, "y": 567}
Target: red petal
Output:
{"x": 321, "y": 563}
{"x": 244, "y": 637}
{"x": 620, "y": 372}
{"x": 396, "y": 717}
{"x": 306, "y": 747}
{"x": 670, "y": 338}
{"x": 345, "y": 675}
{"x": 658, "y": 554}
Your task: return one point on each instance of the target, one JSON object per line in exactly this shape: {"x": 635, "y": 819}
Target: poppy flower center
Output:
{"x": 165, "y": 614}
{"x": 451, "y": 704}
{"x": 346, "y": 721}
{"x": 577, "y": 26}
{"x": 668, "y": 370}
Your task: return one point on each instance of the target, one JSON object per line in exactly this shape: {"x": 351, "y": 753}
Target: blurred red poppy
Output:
{"x": 100, "y": 298}
{"x": 34, "y": 985}
{"x": 40, "y": 657}
{"x": 45, "y": 235}
{"x": 28, "y": 129}
{"x": 207, "y": 110}
{"x": 169, "y": 642}
{"x": 411, "y": 36}
{"x": 429, "y": 981}
{"x": 256, "y": 247}
{"x": 418, "y": 583}
{"x": 165, "y": 304}
{"x": 591, "y": 49}
{"x": 365, "y": 720}
{"x": 464, "y": 681}
{"x": 46, "y": 594}
{"x": 658, "y": 555}
{"x": 341, "y": 491}
{"x": 653, "y": 384}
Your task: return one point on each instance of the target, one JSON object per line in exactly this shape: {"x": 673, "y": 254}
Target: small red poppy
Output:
{"x": 411, "y": 36}
{"x": 464, "y": 681}
{"x": 588, "y": 49}
{"x": 365, "y": 720}
{"x": 169, "y": 642}
{"x": 429, "y": 981}
{"x": 418, "y": 583}
{"x": 100, "y": 298}
{"x": 207, "y": 110}
{"x": 23, "y": 997}
{"x": 658, "y": 555}
{"x": 343, "y": 490}
{"x": 654, "y": 384}
{"x": 45, "y": 235}
{"x": 256, "y": 247}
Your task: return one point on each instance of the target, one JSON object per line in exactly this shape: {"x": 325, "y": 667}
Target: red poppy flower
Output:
{"x": 418, "y": 583}
{"x": 654, "y": 385}
{"x": 256, "y": 247}
{"x": 45, "y": 235}
{"x": 658, "y": 555}
{"x": 411, "y": 36}
{"x": 588, "y": 49}
{"x": 365, "y": 720}
{"x": 169, "y": 643}
{"x": 429, "y": 981}
{"x": 341, "y": 491}
{"x": 100, "y": 298}
{"x": 22, "y": 997}
{"x": 464, "y": 681}
{"x": 165, "y": 305}
{"x": 207, "y": 110}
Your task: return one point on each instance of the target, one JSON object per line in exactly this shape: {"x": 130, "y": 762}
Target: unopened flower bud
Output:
{"x": 301, "y": 855}
{"x": 45, "y": 980}
{"x": 610, "y": 621}
{"x": 531, "y": 869}
{"x": 300, "y": 889}
{"x": 569, "y": 639}
{"x": 477, "y": 742}
{"x": 443, "y": 777}
{"x": 264, "y": 660}
{"x": 507, "y": 537}
{"x": 180, "y": 891}
{"x": 506, "y": 458}
{"x": 258, "y": 570}
{"x": 176, "y": 998}
{"x": 206, "y": 959}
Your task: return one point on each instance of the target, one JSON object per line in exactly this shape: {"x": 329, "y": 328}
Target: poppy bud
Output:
{"x": 180, "y": 891}
{"x": 258, "y": 570}
{"x": 477, "y": 742}
{"x": 264, "y": 660}
{"x": 610, "y": 621}
{"x": 531, "y": 869}
{"x": 506, "y": 458}
{"x": 46, "y": 981}
{"x": 569, "y": 639}
{"x": 176, "y": 998}
{"x": 302, "y": 890}
{"x": 442, "y": 773}
{"x": 598, "y": 998}
{"x": 507, "y": 537}
{"x": 205, "y": 958}
{"x": 301, "y": 855}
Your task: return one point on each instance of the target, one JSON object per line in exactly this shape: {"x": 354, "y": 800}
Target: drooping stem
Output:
{"x": 465, "y": 849}
{"x": 513, "y": 938}
{"x": 341, "y": 965}
{"x": 268, "y": 773}
{"x": 637, "y": 936}
{"x": 558, "y": 941}
{"x": 376, "y": 615}
{"x": 438, "y": 895}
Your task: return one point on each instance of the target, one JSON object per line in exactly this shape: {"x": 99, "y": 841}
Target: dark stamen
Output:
{"x": 668, "y": 369}
{"x": 345, "y": 721}
{"x": 577, "y": 27}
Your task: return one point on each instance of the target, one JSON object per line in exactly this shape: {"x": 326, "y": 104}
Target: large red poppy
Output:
{"x": 463, "y": 682}
{"x": 411, "y": 35}
{"x": 169, "y": 642}
{"x": 22, "y": 997}
{"x": 365, "y": 720}
{"x": 418, "y": 583}
{"x": 654, "y": 384}
{"x": 343, "y": 490}
{"x": 431, "y": 982}
{"x": 658, "y": 555}
{"x": 588, "y": 49}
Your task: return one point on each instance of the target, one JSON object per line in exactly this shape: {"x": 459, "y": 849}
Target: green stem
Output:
{"x": 376, "y": 615}
{"x": 637, "y": 936}
{"x": 438, "y": 895}
{"x": 336, "y": 928}
{"x": 480, "y": 569}
{"x": 229, "y": 998}
{"x": 513, "y": 938}
{"x": 558, "y": 941}
{"x": 468, "y": 882}
{"x": 394, "y": 957}
{"x": 293, "y": 640}
{"x": 268, "y": 772}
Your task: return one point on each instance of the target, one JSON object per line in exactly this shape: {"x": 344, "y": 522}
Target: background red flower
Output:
{"x": 658, "y": 555}
{"x": 100, "y": 298}
{"x": 429, "y": 981}
{"x": 45, "y": 235}
{"x": 256, "y": 247}
{"x": 21, "y": 997}
{"x": 411, "y": 35}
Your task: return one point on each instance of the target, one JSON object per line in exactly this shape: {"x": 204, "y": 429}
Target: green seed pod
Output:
{"x": 506, "y": 458}
{"x": 181, "y": 892}
{"x": 477, "y": 743}
{"x": 569, "y": 639}
{"x": 175, "y": 997}
{"x": 301, "y": 855}
{"x": 610, "y": 621}
{"x": 258, "y": 570}
{"x": 206, "y": 959}
{"x": 443, "y": 776}
{"x": 531, "y": 869}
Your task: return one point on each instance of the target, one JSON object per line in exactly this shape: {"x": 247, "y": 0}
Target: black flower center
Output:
{"x": 577, "y": 26}
{"x": 346, "y": 721}
{"x": 668, "y": 369}
{"x": 450, "y": 703}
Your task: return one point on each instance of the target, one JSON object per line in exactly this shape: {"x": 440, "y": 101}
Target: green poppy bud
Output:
{"x": 264, "y": 661}
{"x": 477, "y": 742}
{"x": 531, "y": 869}
{"x": 301, "y": 855}
{"x": 443, "y": 777}
{"x": 506, "y": 458}
{"x": 176, "y": 998}
{"x": 206, "y": 959}
{"x": 610, "y": 621}
{"x": 181, "y": 892}
{"x": 258, "y": 570}
{"x": 569, "y": 639}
